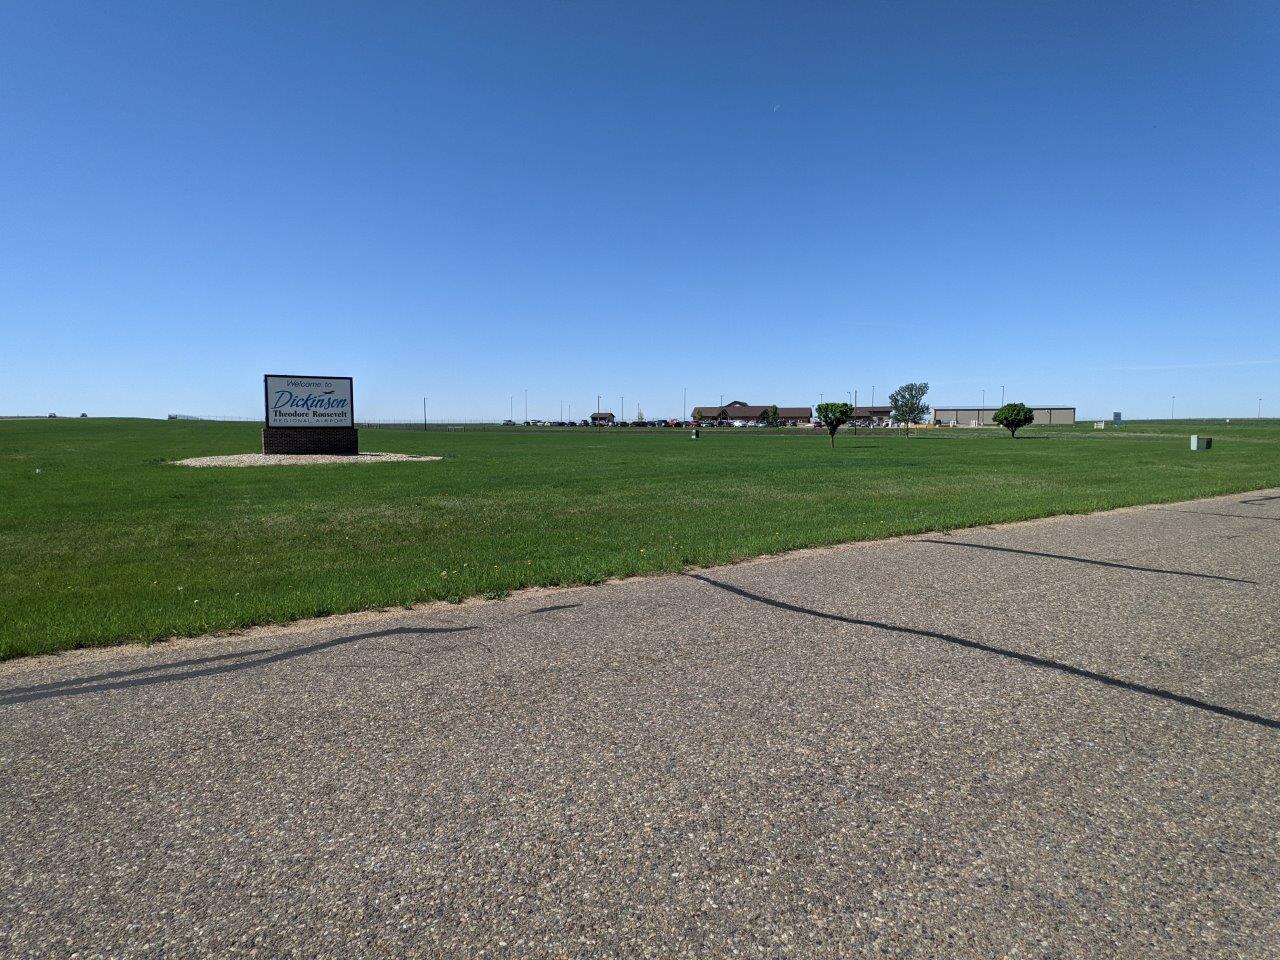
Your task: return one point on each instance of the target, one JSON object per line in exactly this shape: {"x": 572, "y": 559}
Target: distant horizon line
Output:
{"x": 230, "y": 418}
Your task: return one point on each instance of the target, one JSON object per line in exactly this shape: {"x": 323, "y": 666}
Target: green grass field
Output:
{"x": 104, "y": 542}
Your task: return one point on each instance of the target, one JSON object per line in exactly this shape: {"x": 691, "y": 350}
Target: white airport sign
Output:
{"x": 300, "y": 401}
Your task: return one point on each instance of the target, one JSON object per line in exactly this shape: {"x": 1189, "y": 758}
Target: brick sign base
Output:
{"x": 341, "y": 440}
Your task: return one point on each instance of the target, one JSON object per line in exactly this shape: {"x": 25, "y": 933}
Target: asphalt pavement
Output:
{"x": 1049, "y": 739}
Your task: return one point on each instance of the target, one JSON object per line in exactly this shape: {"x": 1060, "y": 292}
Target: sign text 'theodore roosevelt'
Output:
{"x": 295, "y": 401}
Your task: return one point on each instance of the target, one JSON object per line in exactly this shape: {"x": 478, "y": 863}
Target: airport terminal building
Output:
{"x": 750, "y": 413}
{"x": 981, "y": 416}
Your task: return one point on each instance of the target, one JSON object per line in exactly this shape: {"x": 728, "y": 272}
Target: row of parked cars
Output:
{"x": 817, "y": 425}
{"x": 587, "y": 423}
{"x": 748, "y": 423}
{"x": 862, "y": 422}
{"x": 547, "y": 423}
{"x": 651, "y": 423}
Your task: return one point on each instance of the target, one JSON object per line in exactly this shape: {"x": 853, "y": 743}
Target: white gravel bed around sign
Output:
{"x": 296, "y": 459}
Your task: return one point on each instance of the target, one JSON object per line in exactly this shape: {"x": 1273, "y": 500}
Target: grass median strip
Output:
{"x": 105, "y": 541}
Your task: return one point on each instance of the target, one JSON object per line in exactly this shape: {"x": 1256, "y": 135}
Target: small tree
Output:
{"x": 1013, "y": 417}
{"x": 908, "y": 404}
{"x": 833, "y": 416}
{"x": 771, "y": 415}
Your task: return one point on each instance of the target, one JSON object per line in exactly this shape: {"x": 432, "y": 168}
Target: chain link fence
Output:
{"x": 420, "y": 425}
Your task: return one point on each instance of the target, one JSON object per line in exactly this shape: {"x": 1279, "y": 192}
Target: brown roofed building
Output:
{"x": 601, "y": 419}
{"x": 877, "y": 414}
{"x": 756, "y": 413}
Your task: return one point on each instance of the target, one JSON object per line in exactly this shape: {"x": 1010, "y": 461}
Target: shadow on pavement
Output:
{"x": 66, "y": 689}
{"x": 1096, "y": 563}
{"x": 1026, "y": 658}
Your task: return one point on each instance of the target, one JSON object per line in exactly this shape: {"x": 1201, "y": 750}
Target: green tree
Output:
{"x": 833, "y": 416}
{"x": 1013, "y": 417}
{"x": 908, "y": 404}
{"x": 771, "y": 415}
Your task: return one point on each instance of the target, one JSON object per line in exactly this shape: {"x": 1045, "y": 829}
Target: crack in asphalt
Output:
{"x": 18, "y": 695}
{"x": 1096, "y": 563}
{"x": 1027, "y": 658}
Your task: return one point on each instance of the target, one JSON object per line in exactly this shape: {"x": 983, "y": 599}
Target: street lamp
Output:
{"x": 1172, "y": 401}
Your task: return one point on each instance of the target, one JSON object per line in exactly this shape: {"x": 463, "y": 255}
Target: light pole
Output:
{"x": 571, "y": 413}
{"x": 511, "y": 407}
{"x": 873, "y": 394}
{"x": 982, "y": 410}
{"x": 1172, "y": 401}
{"x": 526, "y": 405}
{"x": 1002, "y": 395}
{"x": 424, "y": 413}
{"x": 597, "y": 403}
{"x": 684, "y": 403}
{"x": 623, "y": 404}
{"x": 1259, "y": 408}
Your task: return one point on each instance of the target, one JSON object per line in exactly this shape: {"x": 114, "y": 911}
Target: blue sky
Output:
{"x": 1078, "y": 202}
